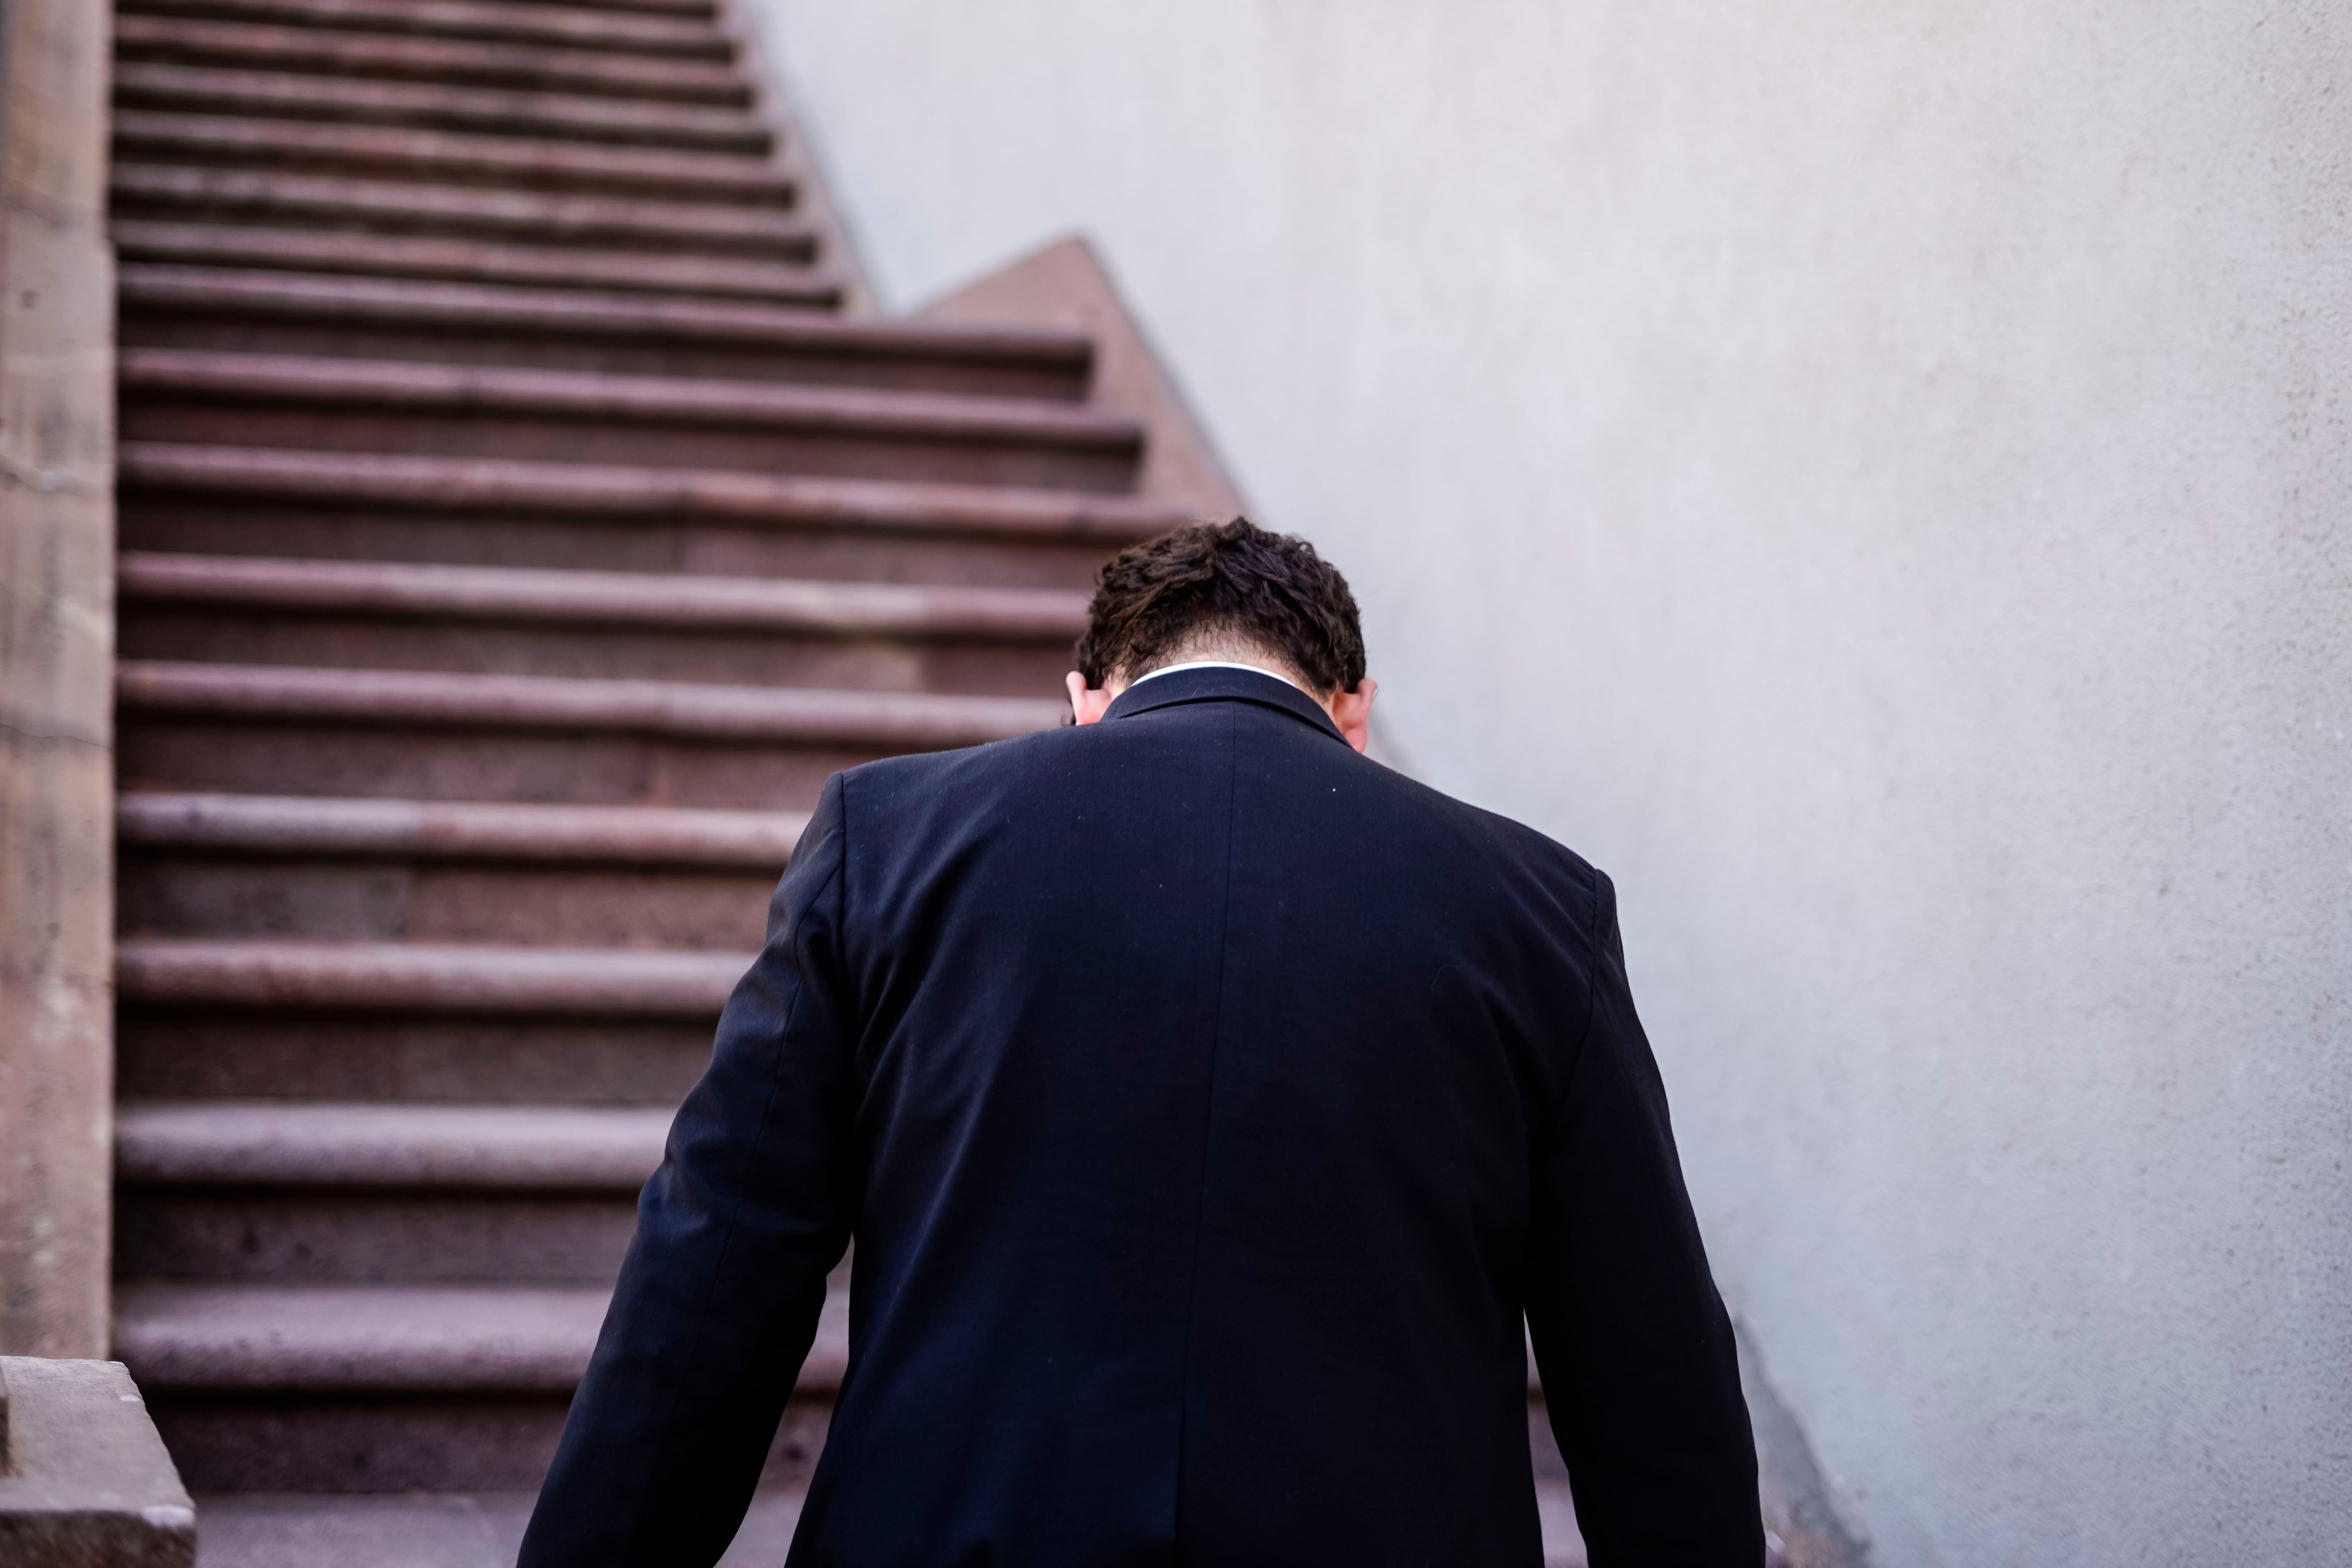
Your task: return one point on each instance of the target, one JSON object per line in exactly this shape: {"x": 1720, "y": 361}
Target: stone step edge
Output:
{"x": 472, "y": 392}
{"x": 379, "y": 1531}
{"x": 468, "y": 21}
{"x": 807, "y": 285}
{"x": 577, "y": 120}
{"x": 562, "y": 219}
{"x": 349, "y": 1339}
{"x": 582, "y": 490}
{"x": 701, "y": 10}
{"x": 365, "y": 56}
{"x": 410, "y": 303}
{"x": 685, "y": 710}
{"x": 312, "y": 1144}
{"x": 425, "y": 977}
{"x": 598, "y": 600}
{"x": 159, "y": 136}
{"x": 355, "y": 1338}
{"x": 289, "y": 825}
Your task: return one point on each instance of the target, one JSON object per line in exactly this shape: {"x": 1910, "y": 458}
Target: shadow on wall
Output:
{"x": 1797, "y": 1507}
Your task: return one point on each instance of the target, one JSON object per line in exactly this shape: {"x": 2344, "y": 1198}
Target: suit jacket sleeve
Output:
{"x": 718, "y": 1297}
{"x": 1640, "y": 1373}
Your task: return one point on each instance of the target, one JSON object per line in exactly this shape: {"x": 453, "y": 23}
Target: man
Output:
{"x": 1209, "y": 1104}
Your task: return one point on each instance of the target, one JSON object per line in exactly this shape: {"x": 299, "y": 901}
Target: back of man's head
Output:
{"x": 1222, "y": 591}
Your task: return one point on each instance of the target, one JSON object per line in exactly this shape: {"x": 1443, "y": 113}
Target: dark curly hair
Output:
{"x": 1235, "y": 580}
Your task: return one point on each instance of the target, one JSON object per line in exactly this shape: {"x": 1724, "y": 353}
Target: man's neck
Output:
{"x": 1287, "y": 680}
{"x": 1350, "y": 712}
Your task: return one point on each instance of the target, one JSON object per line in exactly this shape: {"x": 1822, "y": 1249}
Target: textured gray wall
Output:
{"x": 1875, "y": 478}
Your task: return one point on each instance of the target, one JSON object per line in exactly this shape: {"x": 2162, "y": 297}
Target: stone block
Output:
{"x": 84, "y": 1479}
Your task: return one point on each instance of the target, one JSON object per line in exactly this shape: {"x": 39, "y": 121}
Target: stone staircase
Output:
{"x": 516, "y": 530}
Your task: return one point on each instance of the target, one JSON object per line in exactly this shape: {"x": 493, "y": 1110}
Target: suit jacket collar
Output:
{"x": 1183, "y": 686}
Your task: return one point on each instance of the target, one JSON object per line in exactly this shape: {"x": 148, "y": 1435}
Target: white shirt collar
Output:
{"x": 1213, "y": 664}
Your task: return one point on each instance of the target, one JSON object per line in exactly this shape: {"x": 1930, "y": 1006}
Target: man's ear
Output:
{"x": 1087, "y": 704}
{"x": 1351, "y": 711}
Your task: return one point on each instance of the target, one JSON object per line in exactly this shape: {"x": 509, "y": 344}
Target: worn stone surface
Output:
{"x": 86, "y": 1484}
{"x": 477, "y": 1530}
{"x": 57, "y": 641}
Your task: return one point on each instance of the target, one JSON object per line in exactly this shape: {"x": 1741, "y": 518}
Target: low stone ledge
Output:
{"x": 84, "y": 1479}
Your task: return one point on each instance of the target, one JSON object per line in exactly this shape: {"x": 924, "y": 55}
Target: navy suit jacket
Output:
{"x": 1209, "y": 1104}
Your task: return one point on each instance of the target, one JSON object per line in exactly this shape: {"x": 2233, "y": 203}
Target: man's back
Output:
{"x": 1208, "y": 1103}
{"x": 1200, "y": 1143}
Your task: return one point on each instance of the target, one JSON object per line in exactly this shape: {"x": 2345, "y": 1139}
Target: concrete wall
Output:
{"x": 1874, "y": 477}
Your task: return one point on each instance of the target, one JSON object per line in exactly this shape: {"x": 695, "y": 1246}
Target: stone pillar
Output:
{"x": 56, "y": 671}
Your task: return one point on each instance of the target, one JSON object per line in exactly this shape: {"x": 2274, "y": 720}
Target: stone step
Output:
{"x": 484, "y": 1530}
{"x": 535, "y": 1148}
{"x": 446, "y": 871}
{"x": 378, "y": 897}
{"x": 707, "y": 10}
{"x": 474, "y": 487}
{"x": 246, "y": 610}
{"x": 293, "y": 1192}
{"x": 375, "y": 896}
{"x": 266, "y": 729}
{"x": 441, "y": 61}
{"x": 553, "y": 417}
{"x": 451, "y": 1165}
{"x": 194, "y": 522}
{"x": 350, "y": 1234}
{"x": 427, "y": 759}
{"x": 360, "y": 1388}
{"x": 167, "y": 1052}
{"x": 426, "y": 979}
{"x": 469, "y": 641}
{"x": 163, "y": 137}
{"x": 510, "y": 703}
{"x": 496, "y": 832}
{"x": 429, "y": 106}
{"x": 455, "y": 323}
{"x": 372, "y": 254}
{"x": 316, "y": 1345}
{"x": 185, "y": 192}
{"x": 484, "y": 21}
{"x": 443, "y": 1530}
{"x": 266, "y": 868}
{"x": 402, "y": 407}
{"x": 598, "y": 600}
{"x": 384, "y": 1341}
